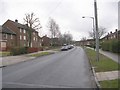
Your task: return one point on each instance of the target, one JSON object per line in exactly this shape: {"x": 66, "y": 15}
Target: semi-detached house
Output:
{"x": 21, "y": 34}
{"x": 7, "y": 38}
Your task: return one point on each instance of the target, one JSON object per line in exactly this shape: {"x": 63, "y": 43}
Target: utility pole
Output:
{"x": 96, "y": 26}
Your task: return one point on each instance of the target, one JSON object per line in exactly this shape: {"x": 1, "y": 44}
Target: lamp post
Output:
{"x": 93, "y": 27}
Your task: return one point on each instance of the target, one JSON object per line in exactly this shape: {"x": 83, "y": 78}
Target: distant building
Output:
{"x": 55, "y": 41}
{"x": 21, "y": 34}
{"x": 112, "y": 35}
{"x": 46, "y": 41}
{"x": 86, "y": 42}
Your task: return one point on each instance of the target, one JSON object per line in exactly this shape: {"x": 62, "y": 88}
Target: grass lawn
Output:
{"x": 110, "y": 84}
{"x": 41, "y": 54}
{"x": 2, "y": 54}
{"x": 104, "y": 64}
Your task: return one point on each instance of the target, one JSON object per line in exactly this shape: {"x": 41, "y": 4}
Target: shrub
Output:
{"x": 111, "y": 45}
{"x": 105, "y": 45}
{"x": 18, "y": 50}
{"x": 115, "y": 46}
{"x": 32, "y": 49}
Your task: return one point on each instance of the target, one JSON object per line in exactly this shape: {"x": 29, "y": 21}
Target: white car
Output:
{"x": 64, "y": 48}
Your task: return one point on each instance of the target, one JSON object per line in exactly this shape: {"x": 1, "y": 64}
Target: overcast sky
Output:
{"x": 67, "y": 13}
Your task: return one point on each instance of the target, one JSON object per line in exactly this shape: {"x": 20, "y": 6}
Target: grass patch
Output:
{"x": 110, "y": 83}
{"x": 3, "y": 54}
{"x": 41, "y": 54}
{"x": 104, "y": 64}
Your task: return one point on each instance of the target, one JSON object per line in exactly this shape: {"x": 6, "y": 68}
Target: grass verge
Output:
{"x": 41, "y": 54}
{"x": 104, "y": 64}
{"x": 3, "y": 54}
{"x": 110, "y": 83}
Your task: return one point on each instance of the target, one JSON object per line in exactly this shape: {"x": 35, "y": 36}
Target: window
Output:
{"x": 5, "y": 36}
{"x": 11, "y": 36}
{"x": 20, "y": 37}
{"x": 34, "y": 38}
{"x": 24, "y": 37}
{"x": 20, "y": 29}
{"x": 3, "y": 44}
{"x": 28, "y": 44}
{"x": 31, "y": 44}
{"x": 33, "y": 33}
{"x": 24, "y": 31}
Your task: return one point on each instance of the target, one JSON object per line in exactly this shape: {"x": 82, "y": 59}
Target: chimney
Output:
{"x": 16, "y": 20}
{"x": 111, "y": 32}
{"x": 116, "y": 30}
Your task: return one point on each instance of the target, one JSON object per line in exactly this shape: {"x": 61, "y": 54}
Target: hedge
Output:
{"x": 24, "y": 50}
{"x": 111, "y": 45}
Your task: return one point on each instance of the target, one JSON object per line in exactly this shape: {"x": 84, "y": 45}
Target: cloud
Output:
{"x": 67, "y": 13}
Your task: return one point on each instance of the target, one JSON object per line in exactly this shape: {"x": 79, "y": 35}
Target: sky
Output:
{"x": 67, "y": 13}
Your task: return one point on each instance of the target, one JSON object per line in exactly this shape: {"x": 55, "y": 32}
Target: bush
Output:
{"x": 111, "y": 45}
{"x": 32, "y": 49}
{"x": 105, "y": 45}
{"x": 18, "y": 50}
{"x": 115, "y": 46}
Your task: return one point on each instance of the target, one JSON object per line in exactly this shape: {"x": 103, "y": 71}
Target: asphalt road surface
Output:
{"x": 65, "y": 69}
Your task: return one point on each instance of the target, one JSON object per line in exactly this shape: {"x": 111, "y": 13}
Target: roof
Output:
{"x": 19, "y": 25}
{"x": 6, "y": 30}
{"x": 45, "y": 37}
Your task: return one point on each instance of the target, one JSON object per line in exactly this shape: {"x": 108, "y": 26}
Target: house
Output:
{"x": 111, "y": 36}
{"x": 87, "y": 42}
{"x": 46, "y": 41}
{"x": 22, "y": 34}
{"x": 7, "y": 38}
{"x": 55, "y": 42}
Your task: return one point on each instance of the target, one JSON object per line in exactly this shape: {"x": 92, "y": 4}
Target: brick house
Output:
{"x": 86, "y": 42}
{"x": 7, "y": 38}
{"x": 22, "y": 34}
{"x": 46, "y": 41}
{"x": 55, "y": 41}
{"x": 111, "y": 36}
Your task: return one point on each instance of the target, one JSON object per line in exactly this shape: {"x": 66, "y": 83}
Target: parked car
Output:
{"x": 70, "y": 46}
{"x": 64, "y": 48}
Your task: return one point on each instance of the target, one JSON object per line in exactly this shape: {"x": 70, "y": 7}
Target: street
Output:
{"x": 65, "y": 69}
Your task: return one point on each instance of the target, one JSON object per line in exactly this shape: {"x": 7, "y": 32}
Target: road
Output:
{"x": 65, "y": 69}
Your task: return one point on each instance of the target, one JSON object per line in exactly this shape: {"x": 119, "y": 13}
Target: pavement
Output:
{"x": 101, "y": 76}
{"x": 9, "y": 60}
{"x": 111, "y": 55}
{"x": 65, "y": 69}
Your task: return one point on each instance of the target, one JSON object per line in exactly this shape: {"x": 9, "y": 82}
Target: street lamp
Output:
{"x": 93, "y": 27}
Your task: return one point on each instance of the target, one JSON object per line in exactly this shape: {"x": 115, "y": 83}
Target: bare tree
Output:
{"x": 101, "y": 32}
{"x": 32, "y": 23}
{"x": 54, "y": 29}
{"x": 67, "y": 38}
